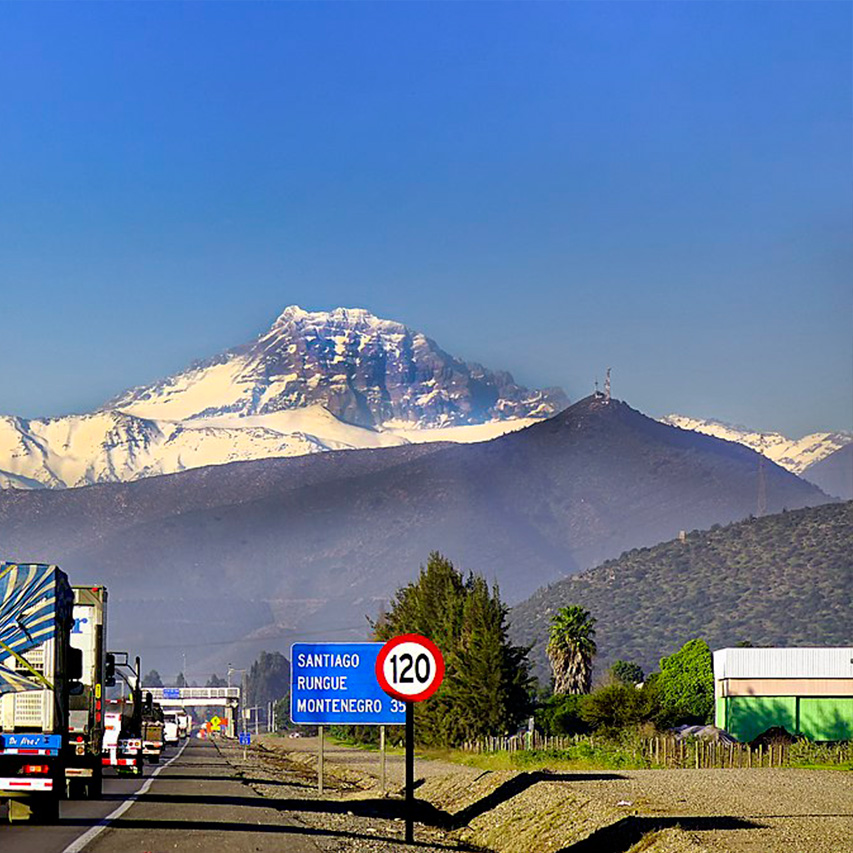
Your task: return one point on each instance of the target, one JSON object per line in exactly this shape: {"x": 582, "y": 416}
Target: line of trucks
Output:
{"x": 58, "y": 728}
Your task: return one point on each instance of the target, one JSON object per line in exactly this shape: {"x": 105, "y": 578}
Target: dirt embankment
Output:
{"x": 468, "y": 809}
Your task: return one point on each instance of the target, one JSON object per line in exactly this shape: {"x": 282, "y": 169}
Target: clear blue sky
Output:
{"x": 548, "y": 188}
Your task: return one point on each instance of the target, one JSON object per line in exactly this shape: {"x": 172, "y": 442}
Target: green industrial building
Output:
{"x": 807, "y": 691}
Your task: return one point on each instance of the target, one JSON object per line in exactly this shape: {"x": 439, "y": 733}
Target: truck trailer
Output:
{"x": 86, "y": 708}
{"x": 38, "y": 670}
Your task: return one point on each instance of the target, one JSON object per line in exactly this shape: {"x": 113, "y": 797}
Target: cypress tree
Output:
{"x": 486, "y": 682}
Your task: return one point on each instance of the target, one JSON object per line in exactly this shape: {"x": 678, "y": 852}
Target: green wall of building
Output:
{"x": 827, "y": 719}
{"x": 815, "y": 717}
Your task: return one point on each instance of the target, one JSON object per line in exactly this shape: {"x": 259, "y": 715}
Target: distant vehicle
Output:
{"x": 185, "y": 724}
{"x": 83, "y": 772}
{"x": 170, "y": 728}
{"x": 295, "y": 734}
{"x": 39, "y": 669}
{"x": 153, "y": 727}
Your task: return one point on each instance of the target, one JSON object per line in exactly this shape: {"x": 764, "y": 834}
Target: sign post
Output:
{"x": 245, "y": 740}
{"x": 382, "y": 760}
{"x": 410, "y": 668}
{"x": 334, "y": 684}
{"x": 320, "y": 762}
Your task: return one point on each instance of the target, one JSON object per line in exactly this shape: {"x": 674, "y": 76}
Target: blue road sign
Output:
{"x": 335, "y": 684}
{"x": 245, "y": 739}
{"x": 171, "y": 692}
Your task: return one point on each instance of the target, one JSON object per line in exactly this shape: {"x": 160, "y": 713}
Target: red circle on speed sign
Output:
{"x": 410, "y": 667}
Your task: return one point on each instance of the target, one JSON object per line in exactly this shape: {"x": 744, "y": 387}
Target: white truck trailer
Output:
{"x": 86, "y": 708}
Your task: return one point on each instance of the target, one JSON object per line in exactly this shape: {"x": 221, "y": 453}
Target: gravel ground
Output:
{"x": 352, "y": 819}
{"x": 790, "y": 811}
{"x": 744, "y": 811}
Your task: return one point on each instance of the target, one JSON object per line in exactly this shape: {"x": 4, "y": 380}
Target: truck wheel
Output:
{"x": 75, "y": 789}
{"x": 96, "y": 785}
{"x": 46, "y": 810}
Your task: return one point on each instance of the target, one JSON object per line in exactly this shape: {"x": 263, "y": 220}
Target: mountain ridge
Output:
{"x": 322, "y": 540}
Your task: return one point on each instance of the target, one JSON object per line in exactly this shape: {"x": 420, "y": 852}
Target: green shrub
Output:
{"x": 686, "y": 685}
{"x": 561, "y": 715}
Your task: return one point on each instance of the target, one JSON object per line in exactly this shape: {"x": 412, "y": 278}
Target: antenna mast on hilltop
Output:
{"x": 607, "y": 386}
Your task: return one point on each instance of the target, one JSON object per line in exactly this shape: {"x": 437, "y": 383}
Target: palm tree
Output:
{"x": 571, "y": 648}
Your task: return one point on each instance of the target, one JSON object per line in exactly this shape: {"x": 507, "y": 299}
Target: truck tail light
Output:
{"x": 35, "y": 769}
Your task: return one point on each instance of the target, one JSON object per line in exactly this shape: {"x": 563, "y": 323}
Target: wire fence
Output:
{"x": 671, "y": 752}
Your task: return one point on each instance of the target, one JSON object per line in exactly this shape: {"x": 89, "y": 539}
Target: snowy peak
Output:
{"x": 355, "y": 318}
{"x": 314, "y": 381}
{"x": 795, "y": 454}
{"x": 365, "y": 370}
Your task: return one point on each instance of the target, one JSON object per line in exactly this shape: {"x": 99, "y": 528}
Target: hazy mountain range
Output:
{"x": 310, "y": 546}
{"x": 795, "y": 454}
{"x": 314, "y": 381}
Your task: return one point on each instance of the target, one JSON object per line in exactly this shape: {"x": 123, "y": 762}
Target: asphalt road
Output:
{"x": 193, "y": 804}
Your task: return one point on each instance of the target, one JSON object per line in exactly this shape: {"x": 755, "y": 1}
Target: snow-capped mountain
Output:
{"x": 795, "y": 454}
{"x": 313, "y": 382}
{"x": 364, "y": 370}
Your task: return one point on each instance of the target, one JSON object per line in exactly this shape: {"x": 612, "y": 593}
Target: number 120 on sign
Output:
{"x": 410, "y": 667}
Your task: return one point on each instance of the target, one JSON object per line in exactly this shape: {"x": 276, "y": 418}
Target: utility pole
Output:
{"x": 607, "y": 386}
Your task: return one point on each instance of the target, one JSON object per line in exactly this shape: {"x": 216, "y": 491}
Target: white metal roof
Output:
{"x": 834, "y": 662}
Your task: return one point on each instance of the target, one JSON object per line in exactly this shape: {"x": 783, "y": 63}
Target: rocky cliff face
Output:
{"x": 364, "y": 370}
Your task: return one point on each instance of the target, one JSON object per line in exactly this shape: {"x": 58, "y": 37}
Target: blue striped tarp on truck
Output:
{"x": 33, "y": 597}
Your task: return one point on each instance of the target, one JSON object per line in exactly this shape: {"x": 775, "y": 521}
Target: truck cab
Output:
{"x": 171, "y": 731}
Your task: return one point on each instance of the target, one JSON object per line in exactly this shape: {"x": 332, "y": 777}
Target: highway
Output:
{"x": 189, "y": 802}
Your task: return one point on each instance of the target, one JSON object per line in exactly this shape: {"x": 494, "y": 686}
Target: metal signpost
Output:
{"x": 334, "y": 684}
{"x": 245, "y": 740}
{"x": 410, "y": 668}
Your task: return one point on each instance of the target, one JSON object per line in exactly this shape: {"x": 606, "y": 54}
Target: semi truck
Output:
{"x": 86, "y": 709}
{"x": 39, "y": 668}
{"x": 122, "y": 745}
{"x": 153, "y": 725}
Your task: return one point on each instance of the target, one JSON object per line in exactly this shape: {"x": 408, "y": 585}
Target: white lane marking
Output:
{"x": 95, "y": 831}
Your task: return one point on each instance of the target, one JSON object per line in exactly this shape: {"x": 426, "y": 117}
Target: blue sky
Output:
{"x": 549, "y": 188}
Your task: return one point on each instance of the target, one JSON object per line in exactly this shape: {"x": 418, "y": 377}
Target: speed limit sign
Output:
{"x": 410, "y": 668}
